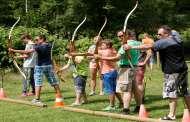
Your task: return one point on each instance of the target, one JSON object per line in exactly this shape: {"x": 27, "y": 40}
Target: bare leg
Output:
{"x": 37, "y": 91}
{"x": 84, "y": 98}
{"x": 127, "y": 99}
{"x": 172, "y": 105}
{"x": 78, "y": 97}
{"x": 112, "y": 99}
{"x": 118, "y": 96}
{"x": 57, "y": 90}
{"x": 187, "y": 101}
{"x": 93, "y": 80}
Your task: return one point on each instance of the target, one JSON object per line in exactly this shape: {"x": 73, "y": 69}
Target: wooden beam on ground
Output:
{"x": 22, "y": 102}
{"x": 113, "y": 115}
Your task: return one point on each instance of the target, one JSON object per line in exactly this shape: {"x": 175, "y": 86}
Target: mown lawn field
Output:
{"x": 10, "y": 112}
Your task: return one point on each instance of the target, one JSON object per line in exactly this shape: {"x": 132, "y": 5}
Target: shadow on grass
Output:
{"x": 158, "y": 107}
{"x": 97, "y": 101}
{"x": 152, "y": 98}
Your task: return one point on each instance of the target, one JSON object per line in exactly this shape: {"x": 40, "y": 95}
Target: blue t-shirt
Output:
{"x": 43, "y": 54}
{"x": 171, "y": 55}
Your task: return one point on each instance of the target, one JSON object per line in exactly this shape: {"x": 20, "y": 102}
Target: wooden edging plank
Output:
{"x": 91, "y": 112}
{"x": 22, "y": 102}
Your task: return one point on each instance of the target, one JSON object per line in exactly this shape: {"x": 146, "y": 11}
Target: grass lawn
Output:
{"x": 10, "y": 112}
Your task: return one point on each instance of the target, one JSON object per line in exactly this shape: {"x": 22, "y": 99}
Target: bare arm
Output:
{"x": 22, "y": 51}
{"x": 140, "y": 47}
{"x": 114, "y": 58}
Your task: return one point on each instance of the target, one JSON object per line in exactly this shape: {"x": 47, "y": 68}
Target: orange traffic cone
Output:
{"x": 2, "y": 94}
{"x": 142, "y": 112}
{"x": 59, "y": 101}
{"x": 186, "y": 116}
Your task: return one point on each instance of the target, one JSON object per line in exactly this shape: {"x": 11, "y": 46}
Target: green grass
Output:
{"x": 10, "y": 112}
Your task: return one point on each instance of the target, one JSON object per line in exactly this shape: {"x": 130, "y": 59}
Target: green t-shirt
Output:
{"x": 133, "y": 53}
{"x": 79, "y": 69}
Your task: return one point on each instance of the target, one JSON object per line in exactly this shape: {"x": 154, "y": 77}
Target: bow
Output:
{"x": 10, "y": 46}
{"x": 98, "y": 40}
{"x": 127, "y": 18}
{"x": 97, "y": 43}
{"x": 125, "y": 28}
{"x": 72, "y": 47}
{"x": 55, "y": 65}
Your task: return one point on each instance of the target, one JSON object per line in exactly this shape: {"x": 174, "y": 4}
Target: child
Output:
{"x": 109, "y": 73}
{"x": 79, "y": 75}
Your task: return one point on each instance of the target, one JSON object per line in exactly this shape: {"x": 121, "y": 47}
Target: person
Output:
{"x": 43, "y": 66}
{"x": 78, "y": 67}
{"x": 127, "y": 60}
{"x": 148, "y": 40}
{"x": 94, "y": 68}
{"x": 28, "y": 66}
{"x": 109, "y": 74}
{"x": 174, "y": 68}
{"x": 144, "y": 58}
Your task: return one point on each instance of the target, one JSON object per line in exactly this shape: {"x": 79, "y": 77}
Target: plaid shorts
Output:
{"x": 48, "y": 72}
{"x": 126, "y": 77}
{"x": 175, "y": 85}
{"x": 80, "y": 84}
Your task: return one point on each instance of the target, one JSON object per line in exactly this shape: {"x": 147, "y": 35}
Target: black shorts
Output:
{"x": 80, "y": 83}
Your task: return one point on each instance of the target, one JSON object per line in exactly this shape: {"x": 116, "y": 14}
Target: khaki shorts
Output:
{"x": 125, "y": 80}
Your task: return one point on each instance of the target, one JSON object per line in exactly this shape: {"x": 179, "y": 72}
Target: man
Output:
{"x": 173, "y": 66}
{"x": 43, "y": 66}
{"x": 126, "y": 74}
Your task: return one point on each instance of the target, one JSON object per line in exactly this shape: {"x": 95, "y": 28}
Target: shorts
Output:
{"x": 80, "y": 84}
{"x": 139, "y": 76}
{"x": 109, "y": 82}
{"x": 175, "y": 85}
{"x": 47, "y": 70}
{"x": 126, "y": 77}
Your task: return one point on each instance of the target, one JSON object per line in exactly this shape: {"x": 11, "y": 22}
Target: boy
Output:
{"x": 109, "y": 73}
{"x": 79, "y": 75}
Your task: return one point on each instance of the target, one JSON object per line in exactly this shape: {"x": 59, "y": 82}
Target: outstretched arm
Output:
{"x": 21, "y": 51}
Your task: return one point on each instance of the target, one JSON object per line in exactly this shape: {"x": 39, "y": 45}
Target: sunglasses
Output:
{"x": 159, "y": 34}
{"x": 120, "y": 36}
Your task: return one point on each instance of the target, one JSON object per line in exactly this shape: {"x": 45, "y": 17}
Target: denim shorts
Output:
{"x": 80, "y": 84}
{"x": 109, "y": 82}
{"x": 46, "y": 70}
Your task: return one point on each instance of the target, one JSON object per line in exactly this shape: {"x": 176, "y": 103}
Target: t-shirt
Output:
{"x": 43, "y": 54}
{"x": 30, "y": 61}
{"x": 79, "y": 69}
{"x": 106, "y": 65}
{"x": 171, "y": 55}
{"x": 134, "y": 54}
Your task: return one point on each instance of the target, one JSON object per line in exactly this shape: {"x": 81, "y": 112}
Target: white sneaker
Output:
{"x": 35, "y": 101}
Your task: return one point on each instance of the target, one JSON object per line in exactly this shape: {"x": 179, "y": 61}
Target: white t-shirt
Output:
{"x": 30, "y": 61}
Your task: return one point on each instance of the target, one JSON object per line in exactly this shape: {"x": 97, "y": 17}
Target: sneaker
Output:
{"x": 167, "y": 117}
{"x": 36, "y": 101}
{"x": 24, "y": 94}
{"x": 92, "y": 94}
{"x": 75, "y": 104}
{"x": 125, "y": 111}
{"x": 136, "y": 110}
{"x": 109, "y": 108}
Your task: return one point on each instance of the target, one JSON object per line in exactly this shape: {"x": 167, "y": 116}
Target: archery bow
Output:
{"x": 10, "y": 46}
{"x": 71, "y": 45}
{"x": 127, "y": 18}
{"x": 98, "y": 40}
{"x": 125, "y": 28}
